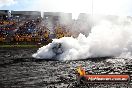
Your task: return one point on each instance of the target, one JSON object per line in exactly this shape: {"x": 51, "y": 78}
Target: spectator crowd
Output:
{"x": 30, "y": 31}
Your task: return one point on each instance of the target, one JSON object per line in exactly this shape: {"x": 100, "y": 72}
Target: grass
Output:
{"x": 20, "y": 46}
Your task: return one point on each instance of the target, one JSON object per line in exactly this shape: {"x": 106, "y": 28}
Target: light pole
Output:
{"x": 92, "y": 13}
{"x": 92, "y": 7}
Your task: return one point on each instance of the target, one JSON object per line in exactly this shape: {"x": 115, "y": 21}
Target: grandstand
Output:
{"x": 28, "y": 27}
{"x": 26, "y": 14}
{"x": 58, "y": 17}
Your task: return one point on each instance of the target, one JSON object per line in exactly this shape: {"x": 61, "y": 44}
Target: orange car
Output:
{"x": 108, "y": 78}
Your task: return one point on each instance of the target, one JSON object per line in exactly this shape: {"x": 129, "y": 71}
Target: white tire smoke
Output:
{"x": 106, "y": 39}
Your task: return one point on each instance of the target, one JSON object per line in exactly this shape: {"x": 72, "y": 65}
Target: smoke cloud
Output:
{"x": 107, "y": 38}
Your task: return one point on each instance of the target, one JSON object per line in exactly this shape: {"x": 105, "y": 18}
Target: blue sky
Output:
{"x": 18, "y": 5}
{"x": 114, "y": 7}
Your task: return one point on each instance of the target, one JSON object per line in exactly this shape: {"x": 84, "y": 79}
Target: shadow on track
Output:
{"x": 30, "y": 59}
{"x": 11, "y": 61}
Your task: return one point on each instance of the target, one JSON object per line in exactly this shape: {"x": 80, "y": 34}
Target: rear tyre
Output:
{"x": 81, "y": 80}
{"x": 72, "y": 85}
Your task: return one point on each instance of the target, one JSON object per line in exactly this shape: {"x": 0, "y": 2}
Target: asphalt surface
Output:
{"x": 19, "y": 70}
